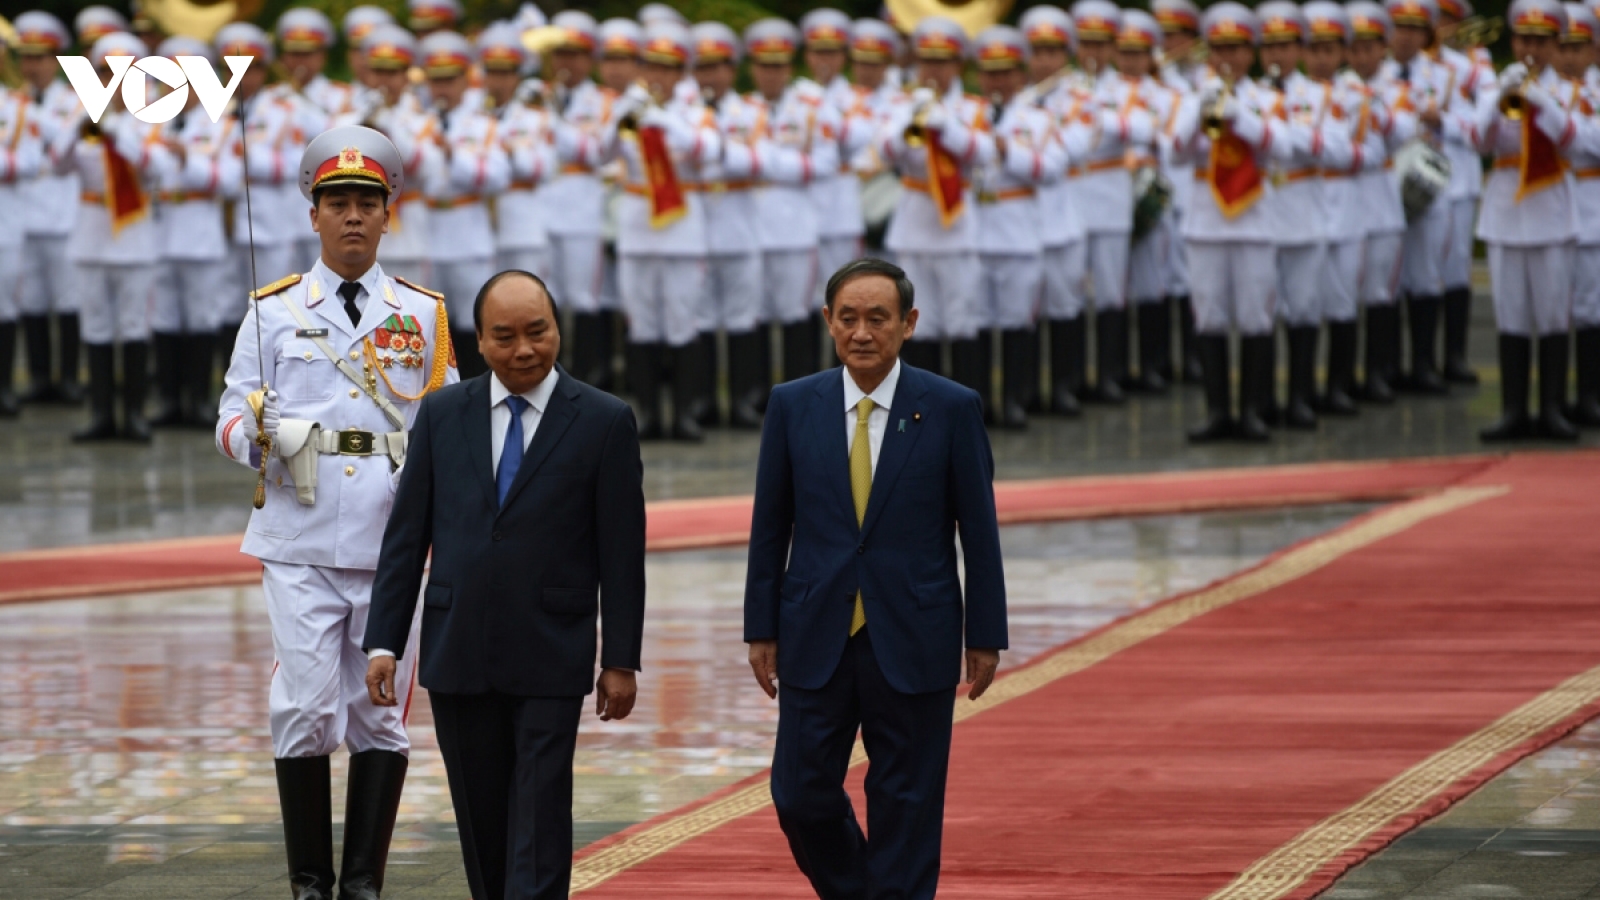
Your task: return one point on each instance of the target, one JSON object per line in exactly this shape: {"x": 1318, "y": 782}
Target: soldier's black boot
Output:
{"x": 102, "y": 390}
{"x": 1213, "y": 352}
{"x": 135, "y": 389}
{"x": 169, "y": 379}
{"x": 605, "y": 351}
{"x": 1037, "y": 402}
{"x": 371, "y": 804}
{"x": 1256, "y": 377}
{"x": 1516, "y": 364}
{"x": 1457, "y": 322}
{"x": 1017, "y": 372}
{"x": 644, "y": 380}
{"x": 923, "y": 355}
{"x": 1027, "y": 396}
{"x": 9, "y": 405}
{"x": 1587, "y": 411}
{"x": 1302, "y": 377}
{"x": 304, "y": 796}
{"x": 69, "y": 389}
{"x": 36, "y": 337}
{"x": 197, "y": 362}
{"x": 800, "y": 350}
{"x": 1111, "y": 356}
{"x": 1069, "y": 353}
{"x": 746, "y": 384}
{"x": 688, "y": 379}
{"x": 1188, "y": 348}
{"x": 469, "y": 362}
{"x": 1382, "y": 324}
{"x": 969, "y": 365}
{"x": 1271, "y": 413}
{"x": 1553, "y": 422}
{"x": 1425, "y": 377}
{"x": 1339, "y": 400}
{"x": 1155, "y": 348}
{"x": 705, "y": 402}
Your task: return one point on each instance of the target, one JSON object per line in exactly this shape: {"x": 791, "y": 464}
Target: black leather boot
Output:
{"x": 372, "y": 802}
{"x": 588, "y": 360}
{"x": 800, "y": 350}
{"x": 746, "y": 384}
{"x": 1425, "y": 377}
{"x": 1267, "y": 407}
{"x": 169, "y": 379}
{"x": 36, "y": 336}
{"x": 1516, "y": 364}
{"x": 469, "y": 362}
{"x": 1256, "y": 377}
{"x": 688, "y": 380}
{"x": 1111, "y": 356}
{"x": 199, "y": 351}
{"x": 69, "y": 337}
{"x": 304, "y": 796}
{"x": 1302, "y": 378}
{"x": 970, "y": 365}
{"x": 1339, "y": 400}
{"x": 1457, "y": 323}
{"x": 1553, "y": 422}
{"x": 1069, "y": 353}
{"x": 1017, "y": 371}
{"x": 605, "y": 351}
{"x": 1213, "y": 352}
{"x": 102, "y": 390}
{"x": 1027, "y": 353}
{"x": 1587, "y": 411}
{"x": 704, "y": 409}
{"x": 923, "y": 355}
{"x": 9, "y": 405}
{"x": 135, "y": 390}
{"x": 644, "y": 379}
{"x": 1382, "y": 324}
{"x": 1192, "y": 371}
{"x": 1155, "y": 348}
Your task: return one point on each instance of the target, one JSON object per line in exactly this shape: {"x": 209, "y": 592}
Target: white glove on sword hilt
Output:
{"x": 266, "y": 416}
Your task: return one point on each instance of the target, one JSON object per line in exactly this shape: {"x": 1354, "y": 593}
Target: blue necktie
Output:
{"x": 511, "y": 453}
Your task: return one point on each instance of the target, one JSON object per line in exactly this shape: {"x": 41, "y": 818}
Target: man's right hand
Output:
{"x": 764, "y": 663}
{"x": 270, "y": 419}
{"x": 380, "y": 681}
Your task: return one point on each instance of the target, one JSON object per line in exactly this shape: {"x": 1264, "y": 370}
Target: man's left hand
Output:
{"x": 980, "y": 670}
{"x": 614, "y": 694}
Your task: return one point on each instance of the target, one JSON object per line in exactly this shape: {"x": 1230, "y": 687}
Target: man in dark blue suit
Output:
{"x": 852, "y": 601}
{"x": 505, "y": 480}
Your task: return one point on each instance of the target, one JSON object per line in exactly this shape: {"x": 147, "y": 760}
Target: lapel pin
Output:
{"x": 902, "y": 424}
{"x": 916, "y": 417}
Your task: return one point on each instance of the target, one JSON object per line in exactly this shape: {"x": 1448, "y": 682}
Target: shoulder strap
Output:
{"x": 394, "y": 415}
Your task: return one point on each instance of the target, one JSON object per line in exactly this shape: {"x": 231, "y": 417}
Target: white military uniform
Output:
{"x": 474, "y": 167}
{"x": 334, "y": 98}
{"x": 1106, "y": 186}
{"x": 21, "y": 158}
{"x": 734, "y": 288}
{"x": 406, "y": 250}
{"x": 49, "y": 203}
{"x": 272, "y": 146}
{"x": 1415, "y": 87}
{"x": 309, "y": 119}
{"x": 1009, "y": 216}
{"x": 1584, "y": 158}
{"x": 574, "y": 200}
{"x": 1150, "y": 257}
{"x": 319, "y": 560}
{"x": 1466, "y": 165}
{"x": 798, "y": 147}
{"x": 1342, "y": 197}
{"x": 198, "y": 272}
{"x": 1319, "y": 142}
{"x": 521, "y": 239}
{"x": 1386, "y": 131}
{"x": 848, "y": 125}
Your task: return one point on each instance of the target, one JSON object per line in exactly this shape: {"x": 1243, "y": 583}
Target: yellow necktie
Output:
{"x": 861, "y": 488}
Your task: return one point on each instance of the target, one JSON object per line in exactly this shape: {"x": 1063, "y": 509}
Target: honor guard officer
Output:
{"x": 357, "y": 24}
{"x": 114, "y": 246}
{"x": 1051, "y": 35}
{"x": 1008, "y": 215}
{"x": 49, "y": 203}
{"x": 1228, "y": 130}
{"x": 1182, "y": 70}
{"x": 22, "y": 156}
{"x": 304, "y": 37}
{"x": 836, "y": 193}
{"x": 799, "y": 145}
{"x": 343, "y": 346}
{"x": 95, "y": 22}
{"x": 527, "y": 132}
{"x": 1472, "y": 71}
{"x": 424, "y": 17}
{"x": 936, "y": 142}
{"x": 197, "y": 268}
{"x": 664, "y": 139}
{"x": 474, "y": 168}
{"x": 733, "y": 272}
{"x": 1578, "y": 53}
{"x": 1528, "y": 220}
{"x": 1319, "y": 142}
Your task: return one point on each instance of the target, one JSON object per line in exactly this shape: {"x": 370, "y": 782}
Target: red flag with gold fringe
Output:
{"x": 668, "y": 203}
{"x": 126, "y": 201}
{"x": 944, "y": 183}
{"x": 1234, "y": 176}
{"x": 1541, "y": 161}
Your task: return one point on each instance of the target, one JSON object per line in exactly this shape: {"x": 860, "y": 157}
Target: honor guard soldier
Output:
{"x": 1578, "y": 53}
{"x": 1008, "y": 217}
{"x": 526, "y": 131}
{"x": 1473, "y": 70}
{"x": 798, "y": 145}
{"x": 304, "y": 37}
{"x": 936, "y": 142}
{"x": 874, "y": 47}
{"x": 1228, "y": 130}
{"x": 114, "y": 246}
{"x": 1182, "y": 70}
{"x": 22, "y": 156}
{"x": 474, "y": 167}
{"x": 343, "y": 346}
{"x": 95, "y": 22}
{"x": 49, "y": 203}
{"x": 733, "y": 232}
{"x": 1528, "y": 220}
{"x": 357, "y": 24}
{"x": 197, "y": 268}
{"x": 661, "y": 230}
{"x": 1051, "y": 35}
{"x": 424, "y": 17}
{"x": 1319, "y": 142}
{"x": 836, "y": 193}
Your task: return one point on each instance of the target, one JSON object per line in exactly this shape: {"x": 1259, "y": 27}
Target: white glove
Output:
{"x": 270, "y": 419}
{"x": 1349, "y": 80}
{"x": 936, "y": 118}
{"x": 1514, "y": 75}
{"x": 1212, "y": 89}
{"x": 1110, "y": 121}
{"x": 656, "y": 117}
{"x": 1534, "y": 94}
{"x": 921, "y": 96}
{"x": 1230, "y": 109}
{"x": 636, "y": 95}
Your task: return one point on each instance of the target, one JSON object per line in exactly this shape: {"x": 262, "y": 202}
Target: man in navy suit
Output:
{"x": 852, "y": 601}
{"x": 505, "y": 480}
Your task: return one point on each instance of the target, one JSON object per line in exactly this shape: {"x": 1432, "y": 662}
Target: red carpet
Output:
{"x": 1252, "y": 740}
{"x": 725, "y": 521}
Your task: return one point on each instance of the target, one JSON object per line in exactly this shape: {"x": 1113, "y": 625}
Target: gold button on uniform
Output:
{"x": 354, "y": 393}
{"x": 308, "y": 356}
{"x": 349, "y": 470}
{"x": 355, "y": 354}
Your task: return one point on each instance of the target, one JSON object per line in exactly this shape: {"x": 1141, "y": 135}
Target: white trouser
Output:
{"x": 1586, "y": 286}
{"x": 1178, "y": 261}
{"x": 11, "y": 266}
{"x": 1342, "y": 266}
{"x": 1302, "y": 283}
{"x": 116, "y": 301}
{"x": 1108, "y": 269}
{"x": 189, "y": 294}
{"x": 319, "y": 691}
{"x": 1457, "y": 267}
{"x": 527, "y": 259}
{"x": 46, "y": 284}
{"x": 1065, "y": 268}
{"x": 575, "y": 269}
{"x": 789, "y": 285}
{"x": 733, "y": 293}
{"x": 832, "y": 254}
{"x": 946, "y": 289}
{"x": 1427, "y": 244}
{"x": 1380, "y": 268}
{"x": 1233, "y": 284}
{"x": 1150, "y": 266}
{"x": 1010, "y": 293}
{"x": 660, "y": 295}
{"x": 459, "y": 281}
{"x": 272, "y": 261}
{"x": 1532, "y": 288}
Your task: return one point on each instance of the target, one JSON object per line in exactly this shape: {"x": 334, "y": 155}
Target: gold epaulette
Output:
{"x": 282, "y": 284}
{"x": 419, "y": 288}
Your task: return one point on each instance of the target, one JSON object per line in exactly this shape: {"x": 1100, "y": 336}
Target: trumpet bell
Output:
{"x": 1513, "y": 106}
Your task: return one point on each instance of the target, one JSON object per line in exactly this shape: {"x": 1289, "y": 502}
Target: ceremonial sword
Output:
{"x": 256, "y": 399}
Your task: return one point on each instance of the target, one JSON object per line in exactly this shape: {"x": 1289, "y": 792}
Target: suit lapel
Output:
{"x": 897, "y": 444}
{"x": 561, "y": 410}
{"x": 827, "y": 420}
{"x": 476, "y": 427}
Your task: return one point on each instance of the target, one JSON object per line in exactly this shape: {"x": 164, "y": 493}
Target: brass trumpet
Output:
{"x": 1212, "y": 122}
{"x": 1512, "y": 103}
{"x": 916, "y": 133}
{"x": 629, "y": 123}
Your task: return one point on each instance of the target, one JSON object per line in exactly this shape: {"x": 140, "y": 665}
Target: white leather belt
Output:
{"x": 354, "y": 442}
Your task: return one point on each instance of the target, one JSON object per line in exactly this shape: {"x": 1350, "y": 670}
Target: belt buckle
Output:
{"x": 355, "y": 443}
{"x": 988, "y": 197}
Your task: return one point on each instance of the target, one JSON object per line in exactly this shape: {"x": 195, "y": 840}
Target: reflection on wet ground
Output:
{"x": 134, "y": 759}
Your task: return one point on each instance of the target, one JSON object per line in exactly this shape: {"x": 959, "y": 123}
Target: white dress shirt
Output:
{"x": 878, "y": 419}
{"x": 500, "y": 414}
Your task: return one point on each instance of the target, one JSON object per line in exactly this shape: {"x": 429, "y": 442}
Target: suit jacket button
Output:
{"x": 496, "y": 535}
{"x": 860, "y": 549}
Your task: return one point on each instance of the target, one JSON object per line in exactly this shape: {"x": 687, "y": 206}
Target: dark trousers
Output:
{"x": 907, "y": 737}
{"x": 509, "y": 760}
